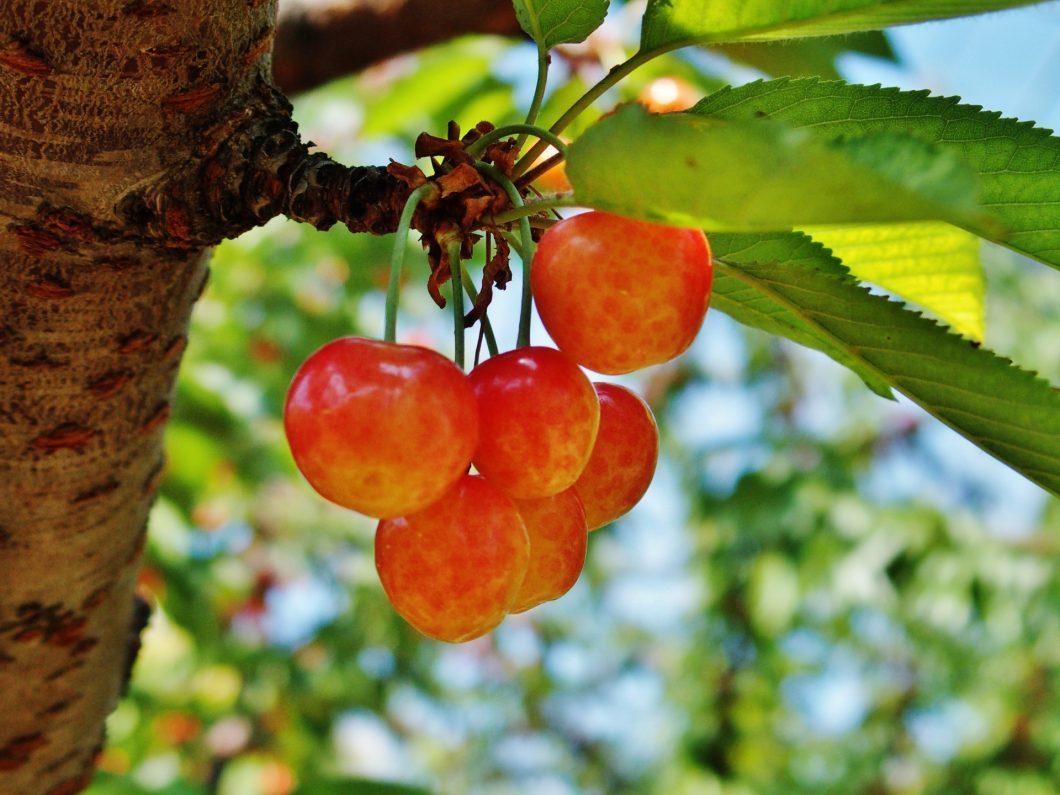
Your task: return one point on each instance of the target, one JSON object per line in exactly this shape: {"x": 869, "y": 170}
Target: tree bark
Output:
{"x": 96, "y": 100}
{"x": 319, "y": 40}
{"x": 133, "y": 135}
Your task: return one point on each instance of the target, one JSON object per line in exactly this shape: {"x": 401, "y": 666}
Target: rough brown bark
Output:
{"x": 96, "y": 100}
{"x": 319, "y": 40}
{"x": 133, "y": 134}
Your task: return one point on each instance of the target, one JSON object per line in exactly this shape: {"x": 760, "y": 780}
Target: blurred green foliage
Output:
{"x": 818, "y": 595}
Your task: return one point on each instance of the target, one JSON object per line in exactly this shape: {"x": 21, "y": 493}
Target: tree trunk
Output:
{"x": 134, "y": 134}
{"x": 98, "y": 101}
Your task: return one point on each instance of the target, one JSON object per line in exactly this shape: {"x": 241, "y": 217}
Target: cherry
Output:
{"x": 453, "y": 569}
{"x": 381, "y": 428}
{"x": 617, "y": 294}
{"x": 558, "y": 539}
{"x": 623, "y": 459}
{"x": 668, "y": 95}
{"x": 555, "y": 179}
{"x": 538, "y": 416}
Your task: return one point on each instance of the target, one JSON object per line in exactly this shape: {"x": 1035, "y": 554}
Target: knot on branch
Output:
{"x": 252, "y": 166}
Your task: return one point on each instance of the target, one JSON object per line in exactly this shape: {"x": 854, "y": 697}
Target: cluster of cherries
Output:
{"x": 392, "y": 430}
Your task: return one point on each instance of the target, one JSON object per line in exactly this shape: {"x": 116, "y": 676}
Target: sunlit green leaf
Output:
{"x": 1018, "y": 164}
{"x": 758, "y": 309}
{"x": 670, "y": 23}
{"x": 934, "y": 265}
{"x": 696, "y": 171}
{"x": 552, "y": 22}
{"x": 1008, "y": 412}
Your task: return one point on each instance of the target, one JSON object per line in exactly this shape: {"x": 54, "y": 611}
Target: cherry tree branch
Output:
{"x": 319, "y": 40}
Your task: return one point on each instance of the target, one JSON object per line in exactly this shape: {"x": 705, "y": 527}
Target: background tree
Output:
{"x": 109, "y": 214}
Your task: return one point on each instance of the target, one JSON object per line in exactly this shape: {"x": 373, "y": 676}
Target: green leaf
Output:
{"x": 695, "y": 171}
{"x": 1008, "y": 412}
{"x": 676, "y": 23}
{"x": 759, "y": 310}
{"x": 552, "y": 22}
{"x": 1018, "y": 164}
{"x": 934, "y": 265}
{"x": 807, "y": 57}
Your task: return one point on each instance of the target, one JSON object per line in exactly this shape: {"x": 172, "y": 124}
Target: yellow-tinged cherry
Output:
{"x": 668, "y": 95}
{"x": 558, "y": 539}
{"x": 453, "y": 569}
{"x": 555, "y": 179}
{"x": 381, "y": 428}
{"x": 623, "y": 459}
{"x": 617, "y": 294}
{"x": 538, "y": 416}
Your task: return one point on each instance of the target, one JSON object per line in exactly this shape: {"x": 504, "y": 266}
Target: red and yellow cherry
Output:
{"x": 558, "y": 539}
{"x": 617, "y": 294}
{"x": 381, "y": 428}
{"x": 668, "y": 95}
{"x": 453, "y": 569}
{"x": 538, "y": 415}
{"x": 555, "y": 179}
{"x": 623, "y": 459}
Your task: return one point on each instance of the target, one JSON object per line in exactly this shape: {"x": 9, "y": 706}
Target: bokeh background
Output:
{"x": 822, "y": 592}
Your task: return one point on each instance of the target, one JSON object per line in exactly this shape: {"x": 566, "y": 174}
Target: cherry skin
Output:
{"x": 669, "y": 95}
{"x": 617, "y": 294}
{"x": 623, "y": 459}
{"x": 381, "y": 428}
{"x": 453, "y": 569}
{"x": 555, "y": 179}
{"x": 558, "y": 540}
{"x": 538, "y": 416}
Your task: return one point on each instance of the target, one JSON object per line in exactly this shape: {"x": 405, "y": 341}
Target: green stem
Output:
{"x": 545, "y": 165}
{"x": 616, "y": 74}
{"x": 479, "y": 146}
{"x": 472, "y": 293}
{"x": 527, "y": 246}
{"x": 456, "y": 279}
{"x": 397, "y": 260}
{"x": 543, "y": 62}
{"x": 519, "y": 211}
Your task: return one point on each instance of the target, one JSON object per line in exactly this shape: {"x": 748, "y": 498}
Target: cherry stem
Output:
{"x": 456, "y": 280}
{"x": 397, "y": 260}
{"x": 548, "y": 202}
{"x": 616, "y": 74}
{"x": 480, "y": 145}
{"x": 526, "y": 253}
{"x": 541, "y": 168}
{"x": 487, "y": 327}
{"x": 543, "y": 62}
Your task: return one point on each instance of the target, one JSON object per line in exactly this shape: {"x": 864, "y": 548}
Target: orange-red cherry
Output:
{"x": 558, "y": 540}
{"x": 617, "y": 294}
{"x": 538, "y": 415}
{"x": 453, "y": 569}
{"x": 555, "y": 179}
{"x": 668, "y": 95}
{"x": 624, "y": 456}
{"x": 381, "y": 428}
